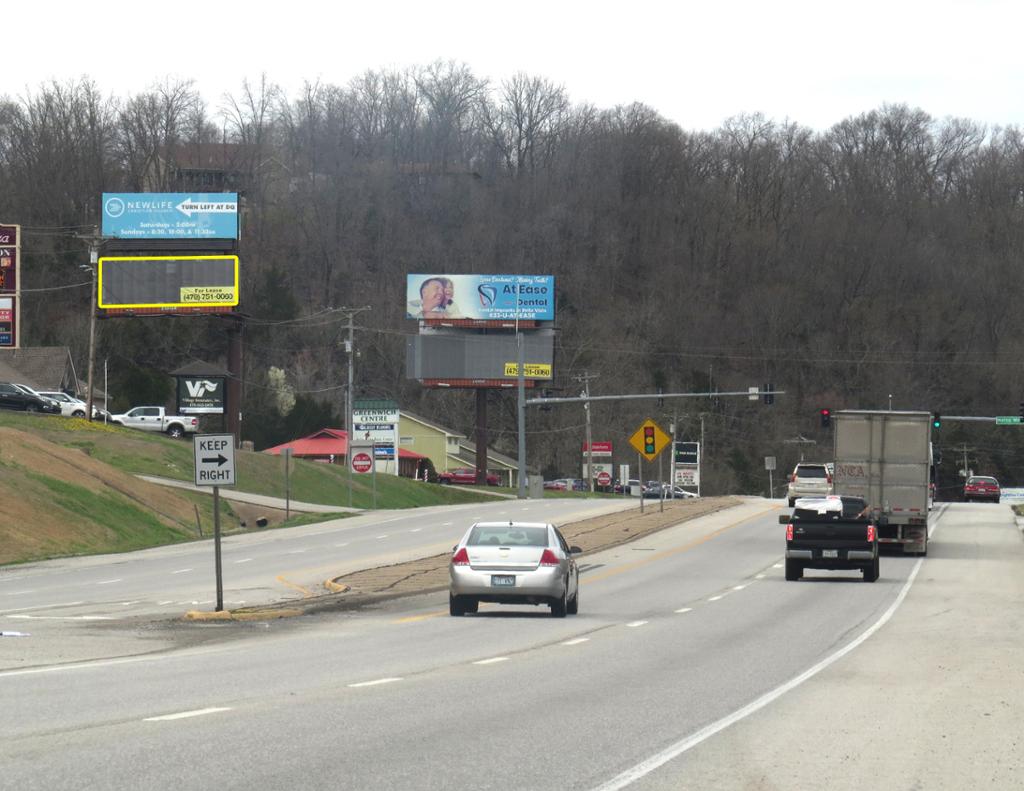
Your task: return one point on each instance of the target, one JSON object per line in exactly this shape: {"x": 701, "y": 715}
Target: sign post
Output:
{"x": 215, "y": 465}
{"x": 769, "y": 464}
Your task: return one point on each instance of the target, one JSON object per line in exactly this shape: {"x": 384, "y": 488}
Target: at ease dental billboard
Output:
{"x": 482, "y": 297}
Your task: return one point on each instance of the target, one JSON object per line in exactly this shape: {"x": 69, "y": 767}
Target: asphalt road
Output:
{"x": 680, "y": 671}
{"x": 258, "y": 568}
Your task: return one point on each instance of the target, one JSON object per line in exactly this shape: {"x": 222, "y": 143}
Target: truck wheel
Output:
{"x": 794, "y": 570}
{"x": 175, "y": 432}
{"x": 871, "y": 572}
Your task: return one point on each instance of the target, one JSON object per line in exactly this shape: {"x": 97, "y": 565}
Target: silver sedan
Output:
{"x": 514, "y": 563}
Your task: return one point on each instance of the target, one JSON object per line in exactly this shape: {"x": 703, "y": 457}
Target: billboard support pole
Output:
{"x": 521, "y": 410}
{"x": 93, "y": 259}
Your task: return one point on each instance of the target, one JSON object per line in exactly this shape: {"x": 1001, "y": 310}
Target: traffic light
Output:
{"x": 936, "y": 420}
{"x": 826, "y": 418}
{"x": 649, "y": 440}
{"x": 769, "y": 396}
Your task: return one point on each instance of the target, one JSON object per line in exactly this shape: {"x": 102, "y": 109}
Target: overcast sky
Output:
{"x": 697, "y": 63}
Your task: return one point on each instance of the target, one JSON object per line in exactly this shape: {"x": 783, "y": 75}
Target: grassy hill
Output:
{"x": 70, "y": 488}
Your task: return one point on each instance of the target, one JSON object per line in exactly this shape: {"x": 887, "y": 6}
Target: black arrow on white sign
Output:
{"x": 219, "y": 459}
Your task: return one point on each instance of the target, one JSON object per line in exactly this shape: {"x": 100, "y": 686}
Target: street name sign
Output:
{"x": 215, "y": 459}
{"x": 1008, "y": 420}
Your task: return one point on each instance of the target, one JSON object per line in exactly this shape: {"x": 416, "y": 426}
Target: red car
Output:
{"x": 465, "y": 475}
{"x": 980, "y": 487}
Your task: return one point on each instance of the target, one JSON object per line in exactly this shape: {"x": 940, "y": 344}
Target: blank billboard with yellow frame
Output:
{"x": 168, "y": 281}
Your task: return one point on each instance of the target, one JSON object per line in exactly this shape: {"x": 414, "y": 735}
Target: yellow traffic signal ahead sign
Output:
{"x": 649, "y": 440}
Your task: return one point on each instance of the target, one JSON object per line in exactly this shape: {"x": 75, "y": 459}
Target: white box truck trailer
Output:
{"x": 885, "y": 457}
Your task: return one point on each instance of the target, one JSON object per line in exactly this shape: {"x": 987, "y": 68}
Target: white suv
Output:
{"x": 809, "y": 480}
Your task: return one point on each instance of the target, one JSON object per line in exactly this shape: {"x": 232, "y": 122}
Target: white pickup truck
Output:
{"x": 155, "y": 418}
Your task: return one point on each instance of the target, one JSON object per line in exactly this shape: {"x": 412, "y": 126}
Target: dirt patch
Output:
{"x": 431, "y": 574}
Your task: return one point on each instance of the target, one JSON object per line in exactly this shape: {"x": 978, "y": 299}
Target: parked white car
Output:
{"x": 71, "y": 406}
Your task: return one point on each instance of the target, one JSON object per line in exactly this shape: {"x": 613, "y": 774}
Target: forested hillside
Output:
{"x": 877, "y": 258}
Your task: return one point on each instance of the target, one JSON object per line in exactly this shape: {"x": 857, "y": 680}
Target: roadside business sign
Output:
{"x": 530, "y": 370}
{"x": 10, "y": 273}
{"x": 483, "y": 297}
{"x": 214, "y": 459}
{"x": 201, "y": 395}
{"x": 687, "y": 475}
{"x": 687, "y": 452}
{"x": 598, "y": 448}
{"x": 170, "y": 215}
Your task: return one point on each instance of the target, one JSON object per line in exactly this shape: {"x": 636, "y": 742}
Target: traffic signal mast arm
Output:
{"x": 636, "y": 397}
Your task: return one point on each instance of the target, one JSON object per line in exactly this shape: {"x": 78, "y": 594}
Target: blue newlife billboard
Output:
{"x": 485, "y": 297}
{"x": 170, "y": 215}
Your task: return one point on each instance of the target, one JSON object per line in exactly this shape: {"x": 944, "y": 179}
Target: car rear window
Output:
{"x": 508, "y": 536}
{"x": 810, "y": 472}
{"x": 991, "y": 481}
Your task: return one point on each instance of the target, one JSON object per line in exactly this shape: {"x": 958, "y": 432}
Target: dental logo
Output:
{"x": 199, "y": 389}
{"x": 487, "y": 295}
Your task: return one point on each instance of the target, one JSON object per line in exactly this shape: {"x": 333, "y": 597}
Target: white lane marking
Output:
{"x": 182, "y": 571}
{"x": 130, "y": 603}
{"x": 717, "y": 598}
{"x": 447, "y": 524}
{"x": 374, "y": 683}
{"x": 777, "y": 566}
{"x": 41, "y": 607}
{"x": 636, "y": 623}
{"x": 164, "y": 603}
{"x": 647, "y": 766}
{"x": 416, "y": 530}
{"x": 61, "y": 617}
{"x": 345, "y": 544}
{"x": 524, "y": 509}
{"x": 738, "y": 587}
{"x": 185, "y": 714}
{"x": 83, "y": 666}
{"x": 108, "y": 582}
{"x": 394, "y": 519}
{"x": 685, "y": 609}
{"x": 577, "y": 641}
{"x": 244, "y": 560}
{"x": 760, "y": 576}
{"x": 492, "y": 661}
{"x": 296, "y": 552}
{"x": 383, "y": 536}
{"x": 19, "y": 593}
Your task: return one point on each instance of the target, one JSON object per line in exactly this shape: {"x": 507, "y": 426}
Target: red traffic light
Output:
{"x": 826, "y": 412}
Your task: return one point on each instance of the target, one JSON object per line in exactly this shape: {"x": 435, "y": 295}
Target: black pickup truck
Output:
{"x": 832, "y": 532}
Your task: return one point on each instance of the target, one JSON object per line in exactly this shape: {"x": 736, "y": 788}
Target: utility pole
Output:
{"x": 585, "y": 377}
{"x": 350, "y": 349}
{"x": 94, "y": 253}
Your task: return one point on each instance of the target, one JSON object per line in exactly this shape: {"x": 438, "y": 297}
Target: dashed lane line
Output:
{"x": 576, "y": 641}
{"x": 492, "y": 660}
{"x": 186, "y": 714}
{"x": 374, "y": 683}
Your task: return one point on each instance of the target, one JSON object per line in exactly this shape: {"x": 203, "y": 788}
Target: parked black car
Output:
{"x": 12, "y": 397}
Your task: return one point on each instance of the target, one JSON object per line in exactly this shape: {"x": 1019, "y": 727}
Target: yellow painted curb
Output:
{"x": 335, "y": 587}
{"x": 227, "y": 615}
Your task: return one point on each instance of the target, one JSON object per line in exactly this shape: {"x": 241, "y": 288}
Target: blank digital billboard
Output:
{"x": 477, "y": 355}
{"x": 179, "y": 281}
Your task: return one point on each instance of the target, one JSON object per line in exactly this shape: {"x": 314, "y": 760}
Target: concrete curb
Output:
{"x": 241, "y": 615}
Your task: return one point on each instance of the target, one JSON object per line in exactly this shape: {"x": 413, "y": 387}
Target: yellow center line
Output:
{"x": 294, "y": 585}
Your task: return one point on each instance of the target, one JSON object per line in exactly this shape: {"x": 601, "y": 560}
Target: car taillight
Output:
{"x": 789, "y": 532}
{"x": 195, "y": 421}
{"x": 460, "y": 558}
{"x": 871, "y": 533}
{"x": 828, "y": 479}
{"x": 792, "y": 477}
{"x": 548, "y": 558}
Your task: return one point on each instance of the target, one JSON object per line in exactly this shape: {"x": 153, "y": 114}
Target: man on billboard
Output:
{"x": 437, "y": 300}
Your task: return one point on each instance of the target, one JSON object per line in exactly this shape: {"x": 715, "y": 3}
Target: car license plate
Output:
{"x": 503, "y": 580}
{"x": 830, "y": 553}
